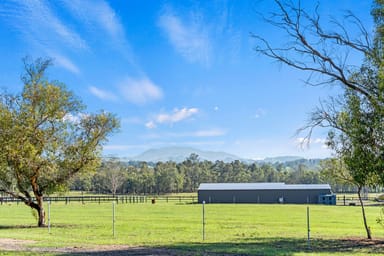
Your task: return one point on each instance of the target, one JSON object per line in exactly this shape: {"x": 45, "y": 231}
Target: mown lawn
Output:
{"x": 247, "y": 229}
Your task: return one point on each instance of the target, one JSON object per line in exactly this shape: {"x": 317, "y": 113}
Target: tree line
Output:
{"x": 118, "y": 177}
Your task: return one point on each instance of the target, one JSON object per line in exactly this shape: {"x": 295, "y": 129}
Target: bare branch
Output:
{"x": 314, "y": 50}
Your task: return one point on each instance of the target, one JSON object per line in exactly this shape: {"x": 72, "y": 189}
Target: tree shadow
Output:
{"x": 18, "y": 226}
{"x": 153, "y": 251}
{"x": 255, "y": 246}
{"x": 35, "y": 226}
{"x": 286, "y": 246}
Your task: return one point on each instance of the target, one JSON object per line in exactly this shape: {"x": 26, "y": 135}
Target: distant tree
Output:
{"x": 357, "y": 119}
{"x": 46, "y": 137}
{"x": 82, "y": 182}
{"x": 166, "y": 177}
{"x": 334, "y": 172}
{"x": 191, "y": 171}
{"x": 147, "y": 179}
{"x": 114, "y": 175}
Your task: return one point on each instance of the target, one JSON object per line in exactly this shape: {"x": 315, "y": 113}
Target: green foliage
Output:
{"x": 47, "y": 137}
{"x": 171, "y": 177}
{"x": 357, "y": 117}
{"x": 111, "y": 175}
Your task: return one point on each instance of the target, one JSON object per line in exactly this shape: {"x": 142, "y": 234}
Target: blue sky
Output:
{"x": 177, "y": 73}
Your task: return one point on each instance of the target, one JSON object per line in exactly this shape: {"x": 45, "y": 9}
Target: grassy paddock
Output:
{"x": 230, "y": 228}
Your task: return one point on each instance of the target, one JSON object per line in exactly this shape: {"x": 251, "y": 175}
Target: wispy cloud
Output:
{"x": 39, "y": 24}
{"x": 74, "y": 118}
{"x": 191, "y": 134}
{"x": 177, "y": 115}
{"x": 102, "y": 94}
{"x": 190, "y": 38}
{"x": 209, "y": 133}
{"x": 123, "y": 147}
{"x": 98, "y": 17}
{"x": 259, "y": 113}
{"x": 64, "y": 62}
{"x": 150, "y": 125}
{"x": 140, "y": 91}
{"x": 313, "y": 141}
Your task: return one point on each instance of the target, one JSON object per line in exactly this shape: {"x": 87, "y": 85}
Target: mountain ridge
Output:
{"x": 179, "y": 154}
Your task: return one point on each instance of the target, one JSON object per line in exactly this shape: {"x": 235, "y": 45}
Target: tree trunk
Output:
{"x": 367, "y": 229}
{"x": 39, "y": 205}
{"x": 39, "y": 209}
{"x": 41, "y": 221}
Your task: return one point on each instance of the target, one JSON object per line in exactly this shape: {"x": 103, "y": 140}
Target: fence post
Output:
{"x": 203, "y": 220}
{"x": 49, "y": 216}
{"x": 309, "y": 230}
{"x": 113, "y": 218}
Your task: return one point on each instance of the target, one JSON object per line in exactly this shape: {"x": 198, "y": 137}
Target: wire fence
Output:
{"x": 123, "y": 199}
{"x": 347, "y": 200}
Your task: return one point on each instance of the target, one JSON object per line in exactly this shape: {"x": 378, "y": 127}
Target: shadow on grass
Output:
{"x": 35, "y": 226}
{"x": 131, "y": 251}
{"x": 257, "y": 246}
{"x": 286, "y": 246}
{"x": 17, "y": 226}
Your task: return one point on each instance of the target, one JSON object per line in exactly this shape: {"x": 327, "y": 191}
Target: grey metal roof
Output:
{"x": 260, "y": 186}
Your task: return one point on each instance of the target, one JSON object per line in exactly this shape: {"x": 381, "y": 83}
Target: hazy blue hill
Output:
{"x": 312, "y": 164}
{"x": 282, "y": 159}
{"x": 179, "y": 154}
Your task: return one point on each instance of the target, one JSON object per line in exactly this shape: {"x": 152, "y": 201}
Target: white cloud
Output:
{"x": 190, "y": 39}
{"x": 259, "y": 113}
{"x": 313, "y": 141}
{"x": 140, "y": 91}
{"x": 319, "y": 141}
{"x": 102, "y": 94}
{"x": 150, "y": 125}
{"x": 74, "y": 118}
{"x": 65, "y": 62}
{"x": 176, "y": 116}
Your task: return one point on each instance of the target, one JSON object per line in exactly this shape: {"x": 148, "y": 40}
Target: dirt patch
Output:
{"x": 9, "y": 244}
{"x": 347, "y": 246}
{"x": 350, "y": 244}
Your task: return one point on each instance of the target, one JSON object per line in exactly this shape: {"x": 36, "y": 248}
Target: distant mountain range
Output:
{"x": 281, "y": 159}
{"x": 179, "y": 154}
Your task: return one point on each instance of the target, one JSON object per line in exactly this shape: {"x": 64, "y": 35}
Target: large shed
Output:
{"x": 263, "y": 193}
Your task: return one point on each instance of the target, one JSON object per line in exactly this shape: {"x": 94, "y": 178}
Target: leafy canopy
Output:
{"x": 45, "y": 135}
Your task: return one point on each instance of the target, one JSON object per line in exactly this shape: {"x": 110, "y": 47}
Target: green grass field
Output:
{"x": 231, "y": 229}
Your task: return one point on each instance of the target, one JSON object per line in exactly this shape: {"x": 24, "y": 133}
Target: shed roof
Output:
{"x": 260, "y": 186}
